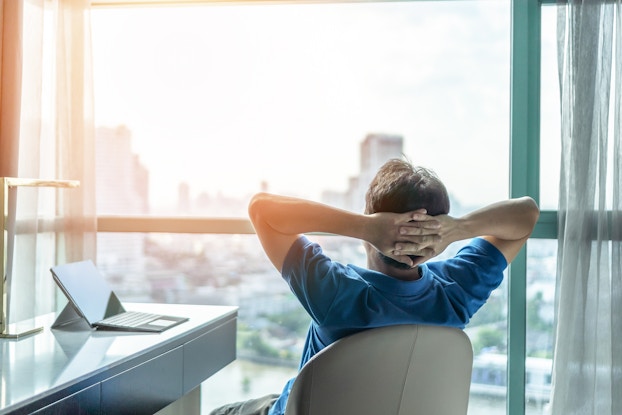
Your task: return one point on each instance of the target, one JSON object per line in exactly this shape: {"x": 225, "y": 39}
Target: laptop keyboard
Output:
{"x": 130, "y": 319}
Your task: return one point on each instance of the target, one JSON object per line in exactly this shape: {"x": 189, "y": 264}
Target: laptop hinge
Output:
{"x": 68, "y": 316}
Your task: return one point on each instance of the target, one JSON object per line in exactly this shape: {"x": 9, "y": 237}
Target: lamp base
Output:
{"x": 19, "y": 330}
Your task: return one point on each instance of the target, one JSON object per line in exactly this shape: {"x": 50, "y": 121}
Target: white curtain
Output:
{"x": 47, "y": 132}
{"x": 587, "y": 376}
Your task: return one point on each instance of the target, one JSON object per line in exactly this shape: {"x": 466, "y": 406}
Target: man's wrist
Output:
{"x": 460, "y": 228}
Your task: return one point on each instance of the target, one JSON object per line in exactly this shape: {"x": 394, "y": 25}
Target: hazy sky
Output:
{"x": 225, "y": 97}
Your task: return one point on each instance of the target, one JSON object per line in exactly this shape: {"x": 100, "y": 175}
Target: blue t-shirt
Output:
{"x": 345, "y": 299}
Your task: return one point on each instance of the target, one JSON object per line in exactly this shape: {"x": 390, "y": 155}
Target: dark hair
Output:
{"x": 401, "y": 187}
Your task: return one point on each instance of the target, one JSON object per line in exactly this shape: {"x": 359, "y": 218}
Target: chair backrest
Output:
{"x": 395, "y": 370}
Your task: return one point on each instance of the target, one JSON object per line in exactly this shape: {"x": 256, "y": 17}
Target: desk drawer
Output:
{"x": 84, "y": 402}
{"x": 208, "y": 353}
{"x": 147, "y": 388}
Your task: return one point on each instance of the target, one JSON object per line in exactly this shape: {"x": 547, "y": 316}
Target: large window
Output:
{"x": 199, "y": 107}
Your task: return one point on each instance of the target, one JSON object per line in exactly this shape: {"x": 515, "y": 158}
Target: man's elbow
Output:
{"x": 255, "y": 206}
{"x": 531, "y": 212}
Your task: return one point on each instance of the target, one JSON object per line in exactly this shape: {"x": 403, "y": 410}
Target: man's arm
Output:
{"x": 507, "y": 225}
{"x": 279, "y": 221}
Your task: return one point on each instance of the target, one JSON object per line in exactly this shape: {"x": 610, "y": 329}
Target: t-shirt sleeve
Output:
{"x": 311, "y": 277}
{"x": 473, "y": 273}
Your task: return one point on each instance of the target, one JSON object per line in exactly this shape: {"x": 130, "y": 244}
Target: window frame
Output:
{"x": 524, "y": 173}
{"x": 525, "y": 152}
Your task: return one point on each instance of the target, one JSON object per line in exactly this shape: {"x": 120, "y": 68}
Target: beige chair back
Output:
{"x": 396, "y": 370}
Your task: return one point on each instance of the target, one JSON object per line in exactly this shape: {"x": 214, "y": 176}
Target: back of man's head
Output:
{"x": 401, "y": 187}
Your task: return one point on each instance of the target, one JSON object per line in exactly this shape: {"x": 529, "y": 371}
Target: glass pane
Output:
{"x": 541, "y": 277}
{"x": 488, "y": 333}
{"x": 550, "y": 122}
{"x": 217, "y": 103}
{"x": 233, "y": 270}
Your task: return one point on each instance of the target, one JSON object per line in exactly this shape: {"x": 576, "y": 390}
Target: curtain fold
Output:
{"x": 10, "y": 108}
{"x": 10, "y": 84}
{"x": 51, "y": 137}
{"x": 587, "y": 370}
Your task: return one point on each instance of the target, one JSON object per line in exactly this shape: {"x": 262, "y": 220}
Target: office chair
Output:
{"x": 396, "y": 370}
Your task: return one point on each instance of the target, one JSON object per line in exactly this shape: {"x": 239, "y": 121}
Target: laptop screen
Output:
{"x": 87, "y": 289}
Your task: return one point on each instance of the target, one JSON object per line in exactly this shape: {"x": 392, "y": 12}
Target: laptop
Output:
{"x": 91, "y": 298}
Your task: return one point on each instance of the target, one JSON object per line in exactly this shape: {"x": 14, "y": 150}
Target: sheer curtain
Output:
{"x": 587, "y": 375}
{"x": 46, "y": 133}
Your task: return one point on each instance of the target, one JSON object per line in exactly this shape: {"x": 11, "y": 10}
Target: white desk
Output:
{"x": 78, "y": 370}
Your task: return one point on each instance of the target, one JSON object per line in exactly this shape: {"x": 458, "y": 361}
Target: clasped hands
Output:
{"x": 412, "y": 237}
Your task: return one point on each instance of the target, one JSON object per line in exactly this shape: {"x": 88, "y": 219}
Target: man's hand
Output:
{"x": 415, "y": 233}
{"x": 424, "y": 236}
{"x": 506, "y": 224}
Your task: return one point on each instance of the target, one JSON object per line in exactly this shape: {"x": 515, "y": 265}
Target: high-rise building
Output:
{"x": 376, "y": 149}
{"x": 183, "y": 198}
{"x": 121, "y": 189}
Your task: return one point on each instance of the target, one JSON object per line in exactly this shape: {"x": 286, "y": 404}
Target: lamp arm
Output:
{"x": 5, "y": 184}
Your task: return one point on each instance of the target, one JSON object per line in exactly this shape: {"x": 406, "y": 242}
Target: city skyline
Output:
{"x": 123, "y": 181}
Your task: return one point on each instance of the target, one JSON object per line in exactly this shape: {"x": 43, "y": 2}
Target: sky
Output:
{"x": 227, "y": 97}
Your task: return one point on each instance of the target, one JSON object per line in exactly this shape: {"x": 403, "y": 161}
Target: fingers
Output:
{"x": 420, "y": 224}
{"x": 408, "y": 246}
{"x": 420, "y": 260}
{"x": 419, "y": 215}
{"x": 419, "y": 249}
{"x": 420, "y": 228}
{"x": 413, "y": 260}
{"x": 405, "y": 259}
{"x": 405, "y": 235}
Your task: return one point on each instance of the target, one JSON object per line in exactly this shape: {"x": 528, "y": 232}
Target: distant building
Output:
{"x": 375, "y": 149}
{"x": 183, "y": 198}
{"x": 122, "y": 184}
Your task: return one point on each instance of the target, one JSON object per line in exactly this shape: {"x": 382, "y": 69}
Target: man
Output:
{"x": 406, "y": 223}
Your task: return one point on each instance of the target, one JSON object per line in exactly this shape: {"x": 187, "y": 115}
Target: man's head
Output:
{"x": 401, "y": 187}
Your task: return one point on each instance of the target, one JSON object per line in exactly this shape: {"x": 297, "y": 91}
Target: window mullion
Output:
{"x": 524, "y": 176}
